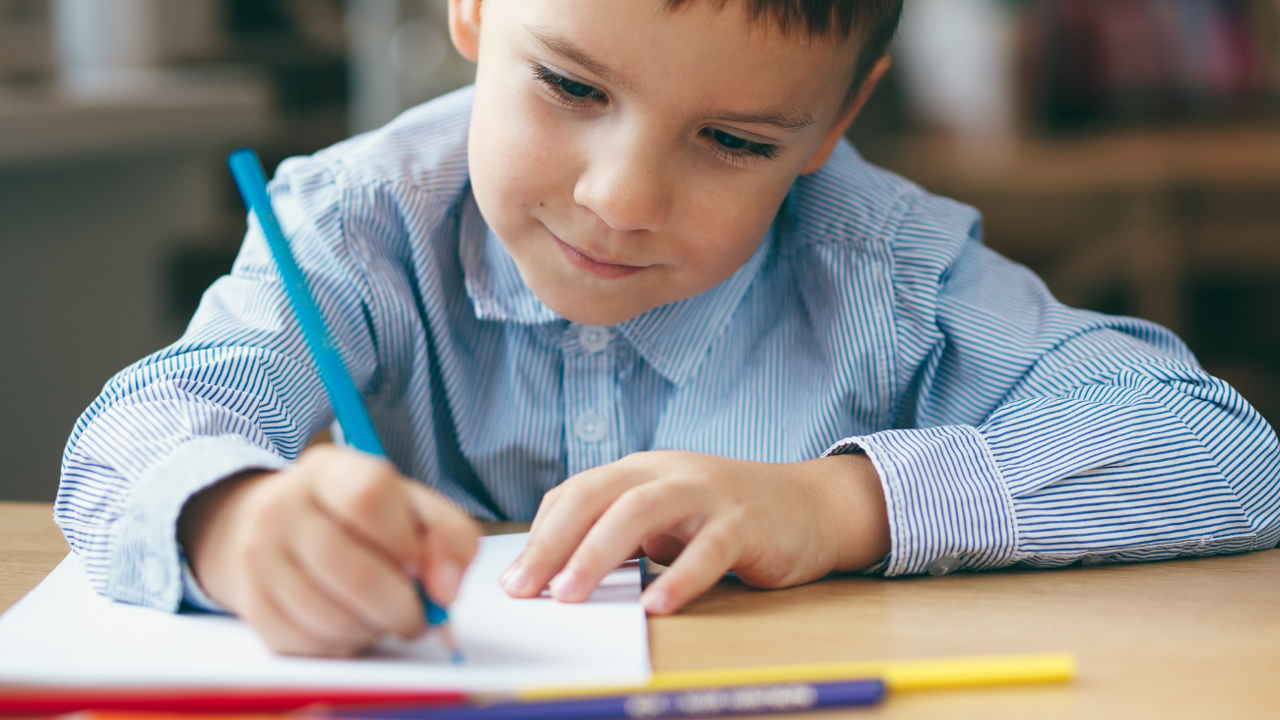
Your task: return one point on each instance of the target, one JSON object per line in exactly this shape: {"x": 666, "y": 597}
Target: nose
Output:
{"x": 625, "y": 183}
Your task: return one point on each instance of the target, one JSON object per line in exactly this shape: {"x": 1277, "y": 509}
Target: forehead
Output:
{"x": 703, "y": 48}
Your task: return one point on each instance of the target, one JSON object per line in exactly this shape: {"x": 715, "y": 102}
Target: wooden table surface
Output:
{"x": 1182, "y": 639}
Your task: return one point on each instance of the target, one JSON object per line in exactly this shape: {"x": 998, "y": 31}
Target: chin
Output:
{"x": 592, "y": 316}
{"x": 586, "y": 311}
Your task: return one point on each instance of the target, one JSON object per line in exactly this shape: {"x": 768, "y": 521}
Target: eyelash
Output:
{"x": 558, "y": 85}
{"x": 739, "y": 155}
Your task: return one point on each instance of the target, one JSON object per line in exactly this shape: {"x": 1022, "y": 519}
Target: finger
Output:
{"x": 365, "y": 496}
{"x": 580, "y": 502}
{"x": 312, "y": 612}
{"x": 662, "y": 548}
{"x": 548, "y": 501}
{"x": 282, "y": 634}
{"x": 640, "y": 512}
{"x": 363, "y": 582}
{"x": 449, "y": 540}
{"x": 707, "y": 557}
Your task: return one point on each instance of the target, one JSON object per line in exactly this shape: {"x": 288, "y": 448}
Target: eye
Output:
{"x": 738, "y": 150}
{"x": 576, "y": 89}
{"x": 569, "y": 92}
{"x": 732, "y": 142}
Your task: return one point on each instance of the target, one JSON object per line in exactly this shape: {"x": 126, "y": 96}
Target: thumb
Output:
{"x": 447, "y": 542}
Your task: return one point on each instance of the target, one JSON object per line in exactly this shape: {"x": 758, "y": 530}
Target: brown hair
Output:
{"x": 876, "y": 20}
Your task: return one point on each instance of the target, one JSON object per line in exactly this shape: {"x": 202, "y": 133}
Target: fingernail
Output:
{"x": 448, "y": 579}
{"x": 515, "y": 579}
{"x": 656, "y": 602}
{"x": 565, "y": 585}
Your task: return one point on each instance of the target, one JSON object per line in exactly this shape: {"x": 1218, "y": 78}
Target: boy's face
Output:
{"x": 629, "y": 156}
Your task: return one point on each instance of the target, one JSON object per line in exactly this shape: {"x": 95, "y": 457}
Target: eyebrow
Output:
{"x": 780, "y": 120}
{"x": 564, "y": 48}
{"x": 567, "y": 50}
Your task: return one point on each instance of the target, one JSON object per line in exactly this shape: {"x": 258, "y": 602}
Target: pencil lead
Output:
{"x": 455, "y": 653}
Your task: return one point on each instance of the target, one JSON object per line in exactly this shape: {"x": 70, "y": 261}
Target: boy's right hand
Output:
{"x": 321, "y": 558}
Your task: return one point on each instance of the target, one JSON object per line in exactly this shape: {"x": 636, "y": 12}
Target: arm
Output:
{"x": 1027, "y": 432}
{"x": 1046, "y": 435}
{"x": 237, "y": 392}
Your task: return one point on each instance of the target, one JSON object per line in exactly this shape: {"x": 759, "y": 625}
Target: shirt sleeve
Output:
{"x": 1039, "y": 435}
{"x": 239, "y": 391}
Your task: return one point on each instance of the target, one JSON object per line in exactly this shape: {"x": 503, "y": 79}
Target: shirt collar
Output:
{"x": 490, "y": 275}
{"x": 673, "y": 338}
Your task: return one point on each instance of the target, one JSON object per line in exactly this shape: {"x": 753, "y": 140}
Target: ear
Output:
{"x": 464, "y": 27}
{"x": 819, "y": 157}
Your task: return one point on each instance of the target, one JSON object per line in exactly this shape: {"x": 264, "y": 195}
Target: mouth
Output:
{"x": 606, "y": 270}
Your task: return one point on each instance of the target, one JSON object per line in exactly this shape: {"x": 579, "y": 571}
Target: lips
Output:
{"x": 583, "y": 261}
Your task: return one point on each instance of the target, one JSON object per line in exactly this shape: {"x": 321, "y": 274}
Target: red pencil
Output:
{"x": 19, "y": 701}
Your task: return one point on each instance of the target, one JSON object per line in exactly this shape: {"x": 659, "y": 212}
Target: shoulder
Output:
{"x": 853, "y": 211}
{"x": 425, "y": 148}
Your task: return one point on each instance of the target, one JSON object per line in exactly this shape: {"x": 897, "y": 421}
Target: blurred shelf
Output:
{"x": 164, "y": 110}
{"x": 1136, "y": 161}
{"x": 1141, "y": 210}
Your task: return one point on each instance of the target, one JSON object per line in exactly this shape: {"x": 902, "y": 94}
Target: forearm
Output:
{"x": 1142, "y": 467}
{"x": 1162, "y": 461}
{"x": 160, "y": 433}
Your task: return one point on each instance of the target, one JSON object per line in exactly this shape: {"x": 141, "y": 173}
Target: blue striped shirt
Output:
{"x": 1007, "y": 428}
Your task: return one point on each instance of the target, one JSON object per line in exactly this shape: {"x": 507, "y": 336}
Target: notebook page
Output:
{"x": 65, "y": 634}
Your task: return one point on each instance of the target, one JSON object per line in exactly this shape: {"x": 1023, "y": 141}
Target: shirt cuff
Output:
{"x": 949, "y": 508}
{"x": 146, "y": 566}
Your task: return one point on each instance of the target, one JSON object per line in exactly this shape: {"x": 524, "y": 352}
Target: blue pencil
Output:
{"x": 747, "y": 700}
{"x": 348, "y": 407}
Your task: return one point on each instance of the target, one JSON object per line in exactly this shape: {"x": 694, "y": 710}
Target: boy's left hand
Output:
{"x": 776, "y": 525}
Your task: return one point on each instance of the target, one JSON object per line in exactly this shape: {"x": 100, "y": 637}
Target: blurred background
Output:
{"x": 1127, "y": 150}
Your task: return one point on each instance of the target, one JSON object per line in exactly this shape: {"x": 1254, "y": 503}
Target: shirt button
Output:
{"x": 590, "y": 427}
{"x": 594, "y": 339}
{"x": 154, "y": 575}
{"x": 944, "y": 565}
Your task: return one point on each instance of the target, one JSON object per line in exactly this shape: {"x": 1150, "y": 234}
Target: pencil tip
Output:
{"x": 455, "y": 653}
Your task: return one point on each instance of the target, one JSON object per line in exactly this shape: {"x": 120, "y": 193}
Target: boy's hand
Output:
{"x": 320, "y": 558}
{"x": 774, "y": 524}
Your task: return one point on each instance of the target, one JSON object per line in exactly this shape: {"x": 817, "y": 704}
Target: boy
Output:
{"x": 641, "y": 231}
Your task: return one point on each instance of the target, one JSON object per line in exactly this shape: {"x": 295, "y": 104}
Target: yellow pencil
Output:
{"x": 898, "y": 675}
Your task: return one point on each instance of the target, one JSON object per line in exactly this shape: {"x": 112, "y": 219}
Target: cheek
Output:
{"x": 518, "y": 158}
{"x": 724, "y": 221}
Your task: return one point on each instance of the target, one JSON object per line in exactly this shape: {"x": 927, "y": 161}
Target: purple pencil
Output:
{"x": 749, "y": 700}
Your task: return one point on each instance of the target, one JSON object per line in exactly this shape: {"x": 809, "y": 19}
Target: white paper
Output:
{"x": 63, "y": 633}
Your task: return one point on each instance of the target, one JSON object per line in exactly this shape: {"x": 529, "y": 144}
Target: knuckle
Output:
{"x": 536, "y": 550}
{"x": 588, "y": 558}
{"x": 407, "y": 621}
{"x": 466, "y": 542}
{"x": 318, "y": 457}
{"x": 571, "y": 494}
{"x": 573, "y": 489}
{"x": 369, "y": 493}
{"x": 642, "y": 500}
{"x": 359, "y": 578}
{"x": 549, "y": 497}
{"x": 720, "y": 544}
{"x": 341, "y": 627}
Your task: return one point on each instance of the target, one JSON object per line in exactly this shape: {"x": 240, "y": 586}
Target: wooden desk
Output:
{"x": 30, "y": 547}
{"x": 1183, "y": 639}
